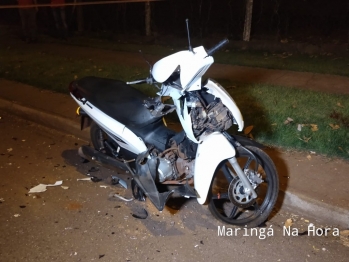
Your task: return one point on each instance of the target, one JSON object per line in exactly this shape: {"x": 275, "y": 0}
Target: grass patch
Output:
{"x": 323, "y": 64}
{"x": 323, "y": 118}
{"x": 53, "y": 72}
{"x": 263, "y": 106}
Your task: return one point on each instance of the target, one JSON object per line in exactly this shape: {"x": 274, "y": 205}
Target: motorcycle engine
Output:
{"x": 214, "y": 117}
{"x": 177, "y": 162}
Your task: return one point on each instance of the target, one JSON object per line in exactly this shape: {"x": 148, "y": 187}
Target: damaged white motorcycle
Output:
{"x": 231, "y": 173}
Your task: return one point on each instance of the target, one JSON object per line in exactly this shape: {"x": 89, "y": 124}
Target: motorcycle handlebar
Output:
{"x": 148, "y": 80}
{"x": 218, "y": 46}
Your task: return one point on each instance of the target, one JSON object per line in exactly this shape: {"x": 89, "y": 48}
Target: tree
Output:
{"x": 80, "y": 17}
{"x": 147, "y": 19}
{"x": 248, "y": 20}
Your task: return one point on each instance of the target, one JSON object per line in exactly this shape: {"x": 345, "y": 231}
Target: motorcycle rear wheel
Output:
{"x": 226, "y": 203}
{"x": 98, "y": 136}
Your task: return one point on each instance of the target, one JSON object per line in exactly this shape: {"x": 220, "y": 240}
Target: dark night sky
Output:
{"x": 280, "y": 18}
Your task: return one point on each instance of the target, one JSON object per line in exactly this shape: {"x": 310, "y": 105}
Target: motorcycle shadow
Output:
{"x": 178, "y": 215}
{"x": 90, "y": 169}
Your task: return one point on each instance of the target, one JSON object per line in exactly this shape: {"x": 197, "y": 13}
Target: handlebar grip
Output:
{"x": 136, "y": 82}
{"x": 218, "y": 46}
{"x": 148, "y": 80}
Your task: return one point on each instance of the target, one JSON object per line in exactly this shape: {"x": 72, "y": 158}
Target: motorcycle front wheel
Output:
{"x": 228, "y": 200}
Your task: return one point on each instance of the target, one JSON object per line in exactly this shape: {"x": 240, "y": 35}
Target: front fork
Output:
{"x": 233, "y": 161}
{"x": 248, "y": 188}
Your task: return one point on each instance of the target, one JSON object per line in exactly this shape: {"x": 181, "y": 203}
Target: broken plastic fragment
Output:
{"x": 122, "y": 198}
{"x": 84, "y": 179}
{"x": 42, "y": 187}
{"x": 95, "y": 179}
{"x": 65, "y": 187}
{"x": 116, "y": 180}
{"x": 16, "y": 215}
{"x": 141, "y": 215}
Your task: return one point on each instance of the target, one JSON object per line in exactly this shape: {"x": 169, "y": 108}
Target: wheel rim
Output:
{"x": 228, "y": 202}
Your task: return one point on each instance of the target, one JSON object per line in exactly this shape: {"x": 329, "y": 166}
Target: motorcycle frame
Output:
{"x": 212, "y": 148}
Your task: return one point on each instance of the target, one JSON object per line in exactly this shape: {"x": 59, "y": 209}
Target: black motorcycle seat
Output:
{"x": 118, "y": 100}
{"x": 125, "y": 104}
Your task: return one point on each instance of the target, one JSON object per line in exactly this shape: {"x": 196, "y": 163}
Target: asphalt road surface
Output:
{"x": 84, "y": 222}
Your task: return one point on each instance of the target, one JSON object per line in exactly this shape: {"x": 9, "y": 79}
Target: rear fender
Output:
{"x": 124, "y": 137}
{"x": 212, "y": 150}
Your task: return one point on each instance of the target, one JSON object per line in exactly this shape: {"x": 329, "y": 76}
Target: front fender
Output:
{"x": 213, "y": 149}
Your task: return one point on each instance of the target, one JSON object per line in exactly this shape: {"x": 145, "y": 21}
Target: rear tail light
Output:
{"x": 74, "y": 90}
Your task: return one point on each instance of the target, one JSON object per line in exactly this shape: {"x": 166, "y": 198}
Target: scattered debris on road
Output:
{"x": 141, "y": 215}
{"x": 122, "y": 198}
{"x": 93, "y": 169}
{"x": 84, "y": 179}
{"x": 117, "y": 180}
{"x": 42, "y": 187}
{"x": 95, "y": 179}
{"x": 288, "y": 222}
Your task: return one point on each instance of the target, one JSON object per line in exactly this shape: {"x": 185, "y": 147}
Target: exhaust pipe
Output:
{"x": 101, "y": 159}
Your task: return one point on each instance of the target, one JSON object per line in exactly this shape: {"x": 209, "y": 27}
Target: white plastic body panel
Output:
{"x": 185, "y": 119}
{"x": 114, "y": 128}
{"x": 217, "y": 90}
{"x": 192, "y": 67}
{"x": 213, "y": 149}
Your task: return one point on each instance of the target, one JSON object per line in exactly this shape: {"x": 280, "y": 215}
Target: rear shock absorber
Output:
{"x": 113, "y": 151}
